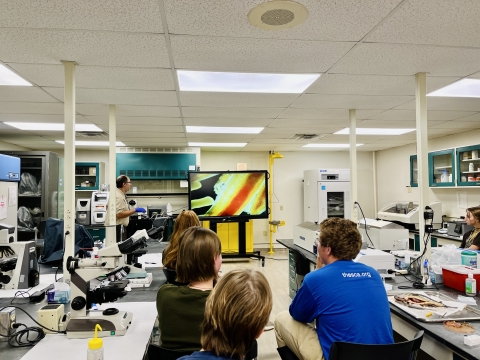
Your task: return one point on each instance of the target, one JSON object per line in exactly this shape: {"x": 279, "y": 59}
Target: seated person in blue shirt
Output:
{"x": 181, "y": 308}
{"x": 347, "y": 299}
{"x": 236, "y": 313}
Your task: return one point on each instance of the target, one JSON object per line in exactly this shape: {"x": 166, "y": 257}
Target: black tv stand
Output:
{"x": 242, "y": 242}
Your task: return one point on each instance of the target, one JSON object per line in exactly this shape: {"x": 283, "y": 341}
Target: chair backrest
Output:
{"x": 171, "y": 275}
{"x": 399, "y": 351}
{"x": 156, "y": 352}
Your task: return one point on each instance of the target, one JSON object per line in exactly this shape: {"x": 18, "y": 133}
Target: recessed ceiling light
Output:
{"x": 462, "y": 88}
{"x": 52, "y": 126}
{"x": 92, "y": 143}
{"x": 224, "y": 130}
{"x": 244, "y": 82}
{"x": 329, "y": 145}
{"x": 8, "y": 77}
{"x": 374, "y": 131}
{"x": 217, "y": 144}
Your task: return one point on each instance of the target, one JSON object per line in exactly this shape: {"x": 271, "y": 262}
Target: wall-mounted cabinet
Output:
{"x": 441, "y": 168}
{"x": 468, "y": 166}
{"x": 413, "y": 171}
{"x": 89, "y": 175}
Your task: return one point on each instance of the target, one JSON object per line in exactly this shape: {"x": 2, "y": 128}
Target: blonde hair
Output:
{"x": 475, "y": 211}
{"x": 185, "y": 219}
{"x": 197, "y": 249}
{"x": 342, "y": 236}
{"x": 236, "y": 312}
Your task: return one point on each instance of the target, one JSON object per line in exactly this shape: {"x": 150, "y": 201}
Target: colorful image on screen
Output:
{"x": 229, "y": 194}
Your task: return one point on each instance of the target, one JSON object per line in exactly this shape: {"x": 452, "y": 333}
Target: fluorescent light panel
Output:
{"x": 462, "y": 88}
{"x": 92, "y": 143}
{"x": 217, "y": 144}
{"x": 244, "y": 82}
{"x": 328, "y": 145}
{"x": 374, "y": 131}
{"x": 8, "y": 77}
{"x": 52, "y": 126}
{"x": 223, "y": 130}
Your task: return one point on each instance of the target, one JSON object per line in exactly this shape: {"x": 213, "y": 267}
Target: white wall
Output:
{"x": 393, "y": 175}
{"x": 288, "y": 185}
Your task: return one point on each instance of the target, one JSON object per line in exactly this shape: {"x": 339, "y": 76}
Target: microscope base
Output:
{"x": 112, "y": 325}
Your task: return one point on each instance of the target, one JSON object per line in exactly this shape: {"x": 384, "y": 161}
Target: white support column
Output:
{"x": 111, "y": 178}
{"x": 353, "y": 164}
{"x": 69, "y": 165}
{"x": 422, "y": 154}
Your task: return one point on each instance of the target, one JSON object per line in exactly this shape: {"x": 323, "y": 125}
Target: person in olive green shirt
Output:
{"x": 181, "y": 308}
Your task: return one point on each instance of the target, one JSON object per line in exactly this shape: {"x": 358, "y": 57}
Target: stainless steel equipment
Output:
{"x": 326, "y": 193}
{"x": 83, "y": 211}
{"x": 406, "y": 213}
{"x": 99, "y": 207}
{"x": 458, "y": 228}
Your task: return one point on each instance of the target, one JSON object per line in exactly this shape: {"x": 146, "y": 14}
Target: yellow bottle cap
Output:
{"x": 96, "y": 343}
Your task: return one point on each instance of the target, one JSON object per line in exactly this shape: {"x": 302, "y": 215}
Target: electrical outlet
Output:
{"x": 264, "y": 233}
{"x": 409, "y": 189}
{"x": 281, "y": 207}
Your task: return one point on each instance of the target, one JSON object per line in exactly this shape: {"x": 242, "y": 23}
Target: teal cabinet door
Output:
{"x": 468, "y": 166}
{"x": 441, "y": 165}
{"x": 413, "y": 171}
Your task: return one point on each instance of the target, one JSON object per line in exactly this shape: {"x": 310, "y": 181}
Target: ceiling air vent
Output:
{"x": 307, "y": 137}
{"x": 92, "y": 134}
{"x": 277, "y": 15}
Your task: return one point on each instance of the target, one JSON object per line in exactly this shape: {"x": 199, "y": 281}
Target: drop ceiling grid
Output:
{"x": 232, "y": 113}
{"x": 446, "y": 104}
{"x": 398, "y": 115}
{"x": 137, "y": 120}
{"x": 98, "y": 77}
{"x": 79, "y": 119}
{"x": 295, "y": 123}
{"x": 15, "y": 107}
{"x": 218, "y": 99}
{"x": 227, "y": 122}
{"x": 25, "y": 94}
{"x": 114, "y": 15}
{"x": 327, "y": 20}
{"x": 327, "y": 113}
{"x": 432, "y": 22}
{"x": 350, "y": 101}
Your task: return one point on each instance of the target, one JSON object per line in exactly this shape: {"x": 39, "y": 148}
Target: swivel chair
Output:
{"x": 406, "y": 350}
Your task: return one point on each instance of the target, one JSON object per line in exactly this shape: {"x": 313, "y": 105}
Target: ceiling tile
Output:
{"x": 446, "y": 104}
{"x": 98, "y": 77}
{"x": 232, "y": 112}
{"x": 24, "y": 94}
{"x": 453, "y": 22}
{"x": 255, "y": 55}
{"x": 326, "y": 114}
{"x": 399, "y": 115}
{"x": 137, "y": 120}
{"x": 144, "y": 134}
{"x": 116, "y": 15}
{"x": 227, "y": 122}
{"x": 402, "y": 59}
{"x": 457, "y": 124}
{"x": 349, "y": 101}
{"x": 30, "y": 108}
{"x": 153, "y": 129}
{"x": 35, "y": 118}
{"x": 373, "y": 84}
{"x": 120, "y": 97}
{"x": 220, "y": 137}
{"x": 161, "y": 111}
{"x": 327, "y": 20}
{"x": 295, "y": 123}
{"x": 189, "y": 98}
{"x": 83, "y": 47}
{"x": 268, "y": 147}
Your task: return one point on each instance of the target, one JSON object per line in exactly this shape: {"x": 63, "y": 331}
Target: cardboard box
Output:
{"x": 92, "y": 171}
{"x": 454, "y": 276}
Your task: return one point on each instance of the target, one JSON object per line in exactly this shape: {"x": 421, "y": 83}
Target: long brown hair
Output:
{"x": 197, "y": 249}
{"x": 237, "y": 310}
{"x": 185, "y": 219}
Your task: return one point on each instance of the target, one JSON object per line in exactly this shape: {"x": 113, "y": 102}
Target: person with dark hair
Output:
{"x": 123, "y": 208}
{"x": 236, "y": 313}
{"x": 184, "y": 220}
{"x": 181, "y": 308}
{"x": 347, "y": 299}
{"x": 471, "y": 239}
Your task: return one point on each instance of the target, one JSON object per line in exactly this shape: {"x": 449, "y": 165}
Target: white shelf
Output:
{"x": 470, "y": 160}
{"x": 443, "y": 167}
{"x": 470, "y": 172}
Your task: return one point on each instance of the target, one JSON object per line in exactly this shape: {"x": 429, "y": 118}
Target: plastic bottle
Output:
{"x": 470, "y": 285}
{"x": 169, "y": 209}
{"x": 95, "y": 346}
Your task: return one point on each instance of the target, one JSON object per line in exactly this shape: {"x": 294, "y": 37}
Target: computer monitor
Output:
{"x": 159, "y": 209}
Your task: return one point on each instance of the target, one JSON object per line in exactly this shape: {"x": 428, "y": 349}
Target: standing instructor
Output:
{"x": 121, "y": 203}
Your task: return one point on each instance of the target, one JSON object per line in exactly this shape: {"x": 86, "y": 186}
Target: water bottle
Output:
{"x": 169, "y": 209}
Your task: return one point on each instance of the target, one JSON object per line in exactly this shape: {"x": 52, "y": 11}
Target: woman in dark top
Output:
{"x": 471, "y": 240}
{"x": 181, "y": 308}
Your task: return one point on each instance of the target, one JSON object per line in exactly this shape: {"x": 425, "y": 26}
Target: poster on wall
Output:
{"x": 12, "y": 196}
{"x": 3, "y": 207}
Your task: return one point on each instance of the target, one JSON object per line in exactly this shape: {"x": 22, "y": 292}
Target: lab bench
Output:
{"x": 438, "y": 342}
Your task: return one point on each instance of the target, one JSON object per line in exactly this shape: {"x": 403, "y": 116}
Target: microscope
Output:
{"x": 81, "y": 319}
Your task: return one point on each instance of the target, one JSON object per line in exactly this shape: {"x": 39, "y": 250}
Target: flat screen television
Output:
{"x": 228, "y": 195}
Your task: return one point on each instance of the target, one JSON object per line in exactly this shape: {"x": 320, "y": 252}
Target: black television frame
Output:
{"x": 233, "y": 218}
